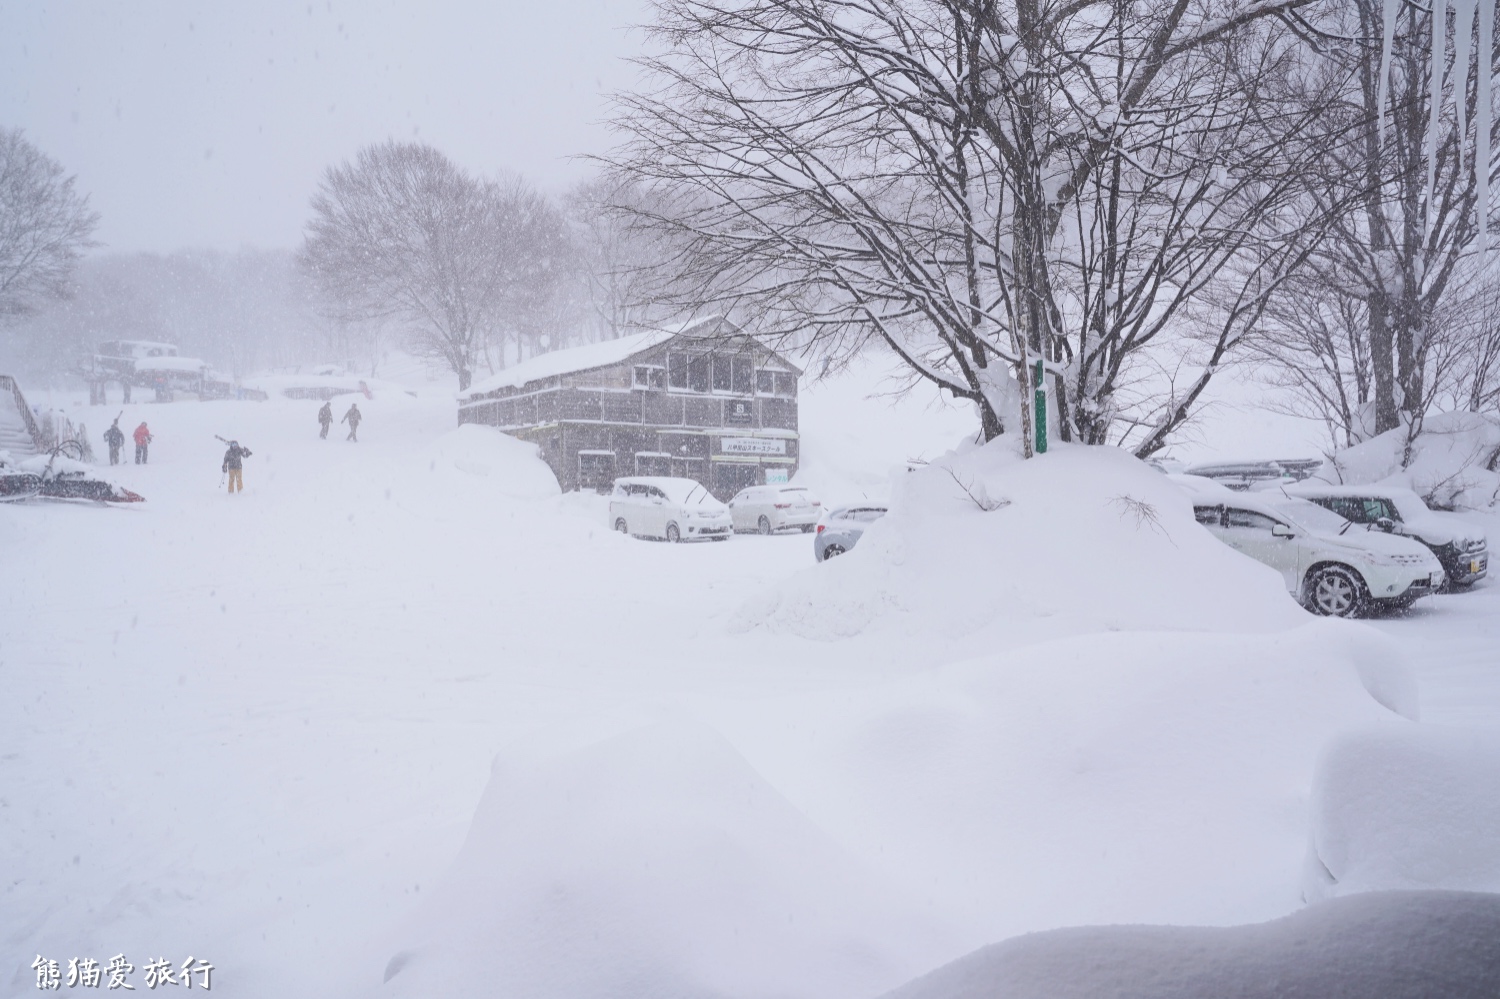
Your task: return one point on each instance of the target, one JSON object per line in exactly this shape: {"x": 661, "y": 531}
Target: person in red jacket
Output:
{"x": 142, "y": 440}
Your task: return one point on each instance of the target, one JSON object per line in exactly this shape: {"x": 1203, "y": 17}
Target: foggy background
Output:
{"x": 207, "y": 125}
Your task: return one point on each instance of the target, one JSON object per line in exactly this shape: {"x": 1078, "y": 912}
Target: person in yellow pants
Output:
{"x": 234, "y": 464}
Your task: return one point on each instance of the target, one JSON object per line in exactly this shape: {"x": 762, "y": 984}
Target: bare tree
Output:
{"x": 1409, "y": 188}
{"x": 981, "y": 185}
{"x": 619, "y": 261}
{"x": 44, "y": 226}
{"x": 404, "y": 236}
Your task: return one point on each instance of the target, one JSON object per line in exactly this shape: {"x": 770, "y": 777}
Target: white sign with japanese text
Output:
{"x": 753, "y": 445}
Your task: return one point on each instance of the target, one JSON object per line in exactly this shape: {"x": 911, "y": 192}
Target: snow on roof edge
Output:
{"x": 587, "y": 357}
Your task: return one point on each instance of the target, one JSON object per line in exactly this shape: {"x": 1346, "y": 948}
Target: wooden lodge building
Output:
{"x": 701, "y": 401}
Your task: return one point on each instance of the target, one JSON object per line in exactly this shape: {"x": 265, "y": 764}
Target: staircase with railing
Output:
{"x": 19, "y": 433}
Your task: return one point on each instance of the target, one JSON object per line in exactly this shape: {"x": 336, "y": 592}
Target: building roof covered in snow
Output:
{"x": 588, "y": 357}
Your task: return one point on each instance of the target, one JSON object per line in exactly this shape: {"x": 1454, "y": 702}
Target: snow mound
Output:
{"x": 1453, "y": 461}
{"x": 1390, "y": 945}
{"x": 510, "y": 466}
{"x": 1089, "y": 538}
{"x": 320, "y": 387}
{"x": 1414, "y": 807}
{"x": 1104, "y": 778}
{"x": 656, "y": 863}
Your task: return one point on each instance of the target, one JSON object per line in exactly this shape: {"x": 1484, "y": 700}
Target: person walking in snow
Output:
{"x": 115, "y": 438}
{"x": 234, "y": 465}
{"x": 352, "y": 418}
{"x": 142, "y": 442}
{"x": 325, "y": 419}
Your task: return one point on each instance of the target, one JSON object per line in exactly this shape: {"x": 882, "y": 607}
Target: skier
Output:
{"x": 352, "y": 418}
{"x": 115, "y": 438}
{"x": 142, "y": 441}
{"x": 325, "y": 417}
{"x": 234, "y": 465}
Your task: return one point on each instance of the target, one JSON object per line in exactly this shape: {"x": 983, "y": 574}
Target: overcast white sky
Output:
{"x": 208, "y": 124}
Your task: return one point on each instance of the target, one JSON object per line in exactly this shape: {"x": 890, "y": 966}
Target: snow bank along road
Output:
{"x": 260, "y": 730}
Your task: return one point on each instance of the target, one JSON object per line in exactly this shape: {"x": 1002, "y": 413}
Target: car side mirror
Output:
{"x": 1386, "y": 524}
{"x": 1282, "y": 531}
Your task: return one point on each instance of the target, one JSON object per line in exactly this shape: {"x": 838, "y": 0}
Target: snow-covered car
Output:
{"x": 1460, "y": 545}
{"x": 840, "y": 529}
{"x": 767, "y": 509}
{"x": 1327, "y": 568}
{"x": 653, "y": 506}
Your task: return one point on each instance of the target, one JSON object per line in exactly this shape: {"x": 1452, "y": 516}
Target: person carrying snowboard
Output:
{"x": 115, "y": 438}
{"x": 142, "y": 441}
{"x": 352, "y": 418}
{"x": 325, "y": 418}
{"x": 234, "y": 465}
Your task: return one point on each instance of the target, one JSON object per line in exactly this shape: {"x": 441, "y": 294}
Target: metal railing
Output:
{"x": 8, "y": 384}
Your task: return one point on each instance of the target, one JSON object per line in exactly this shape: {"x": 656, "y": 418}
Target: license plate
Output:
{"x": 1474, "y": 567}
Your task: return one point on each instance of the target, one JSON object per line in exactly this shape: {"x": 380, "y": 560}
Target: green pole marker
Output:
{"x": 1041, "y": 411}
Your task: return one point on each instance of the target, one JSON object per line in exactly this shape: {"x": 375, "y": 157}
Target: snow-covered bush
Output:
{"x": 1453, "y": 462}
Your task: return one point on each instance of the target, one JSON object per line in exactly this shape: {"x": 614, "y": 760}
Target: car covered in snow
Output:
{"x": 841, "y": 528}
{"x": 768, "y": 509}
{"x": 1328, "y": 568}
{"x": 1460, "y": 545}
{"x": 656, "y": 506}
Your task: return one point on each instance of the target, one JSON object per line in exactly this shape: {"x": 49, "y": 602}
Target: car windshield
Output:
{"x": 1311, "y": 516}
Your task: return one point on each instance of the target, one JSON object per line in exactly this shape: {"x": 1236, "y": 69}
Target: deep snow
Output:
{"x": 1386, "y": 945}
{"x": 401, "y": 699}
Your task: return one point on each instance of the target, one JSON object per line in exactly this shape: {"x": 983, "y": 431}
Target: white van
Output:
{"x": 654, "y": 506}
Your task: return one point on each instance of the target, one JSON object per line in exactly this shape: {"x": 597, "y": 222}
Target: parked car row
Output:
{"x": 672, "y": 509}
{"x": 1342, "y": 551}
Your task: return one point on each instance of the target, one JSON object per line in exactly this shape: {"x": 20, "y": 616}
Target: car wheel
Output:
{"x": 1335, "y": 591}
{"x": 621, "y": 526}
{"x": 673, "y": 535}
{"x": 832, "y": 550}
{"x": 763, "y": 526}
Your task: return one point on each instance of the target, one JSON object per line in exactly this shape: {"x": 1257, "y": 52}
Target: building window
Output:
{"x": 782, "y": 384}
{"x": 650, "y": 376}
{"x": 596, "y": 470}
{"x": 723, "y": 366}
{"x": 698, "y": 373}
{"x": 677, "y": 371}
{"x": 653, "y": 463}
{"x": 744, "y": 375}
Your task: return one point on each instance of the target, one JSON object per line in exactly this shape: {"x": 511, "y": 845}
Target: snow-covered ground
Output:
{"x": 401, "y": 720}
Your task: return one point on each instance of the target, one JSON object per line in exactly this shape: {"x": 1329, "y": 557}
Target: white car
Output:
{"x": 1327, "y": 568}
{"x": 1460, "y": 545}
{"x": 767, "y": 509}
{"x": 651, "y": 506}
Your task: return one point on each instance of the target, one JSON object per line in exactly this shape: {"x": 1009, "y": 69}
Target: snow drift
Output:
{"x": 1077, "y": 540}
{"x": 1407, "y": 807}
{"x": 1390, "y": 945}
{"x": 1103, "y": 778}
{"x": 834, "y": 844}
{"x": 1452, "y": 464}
{"x": 657, "y": 863}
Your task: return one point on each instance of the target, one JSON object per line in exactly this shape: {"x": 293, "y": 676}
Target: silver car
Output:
{"x": 841, "y": 527}
{"x": 767, "y": 509}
